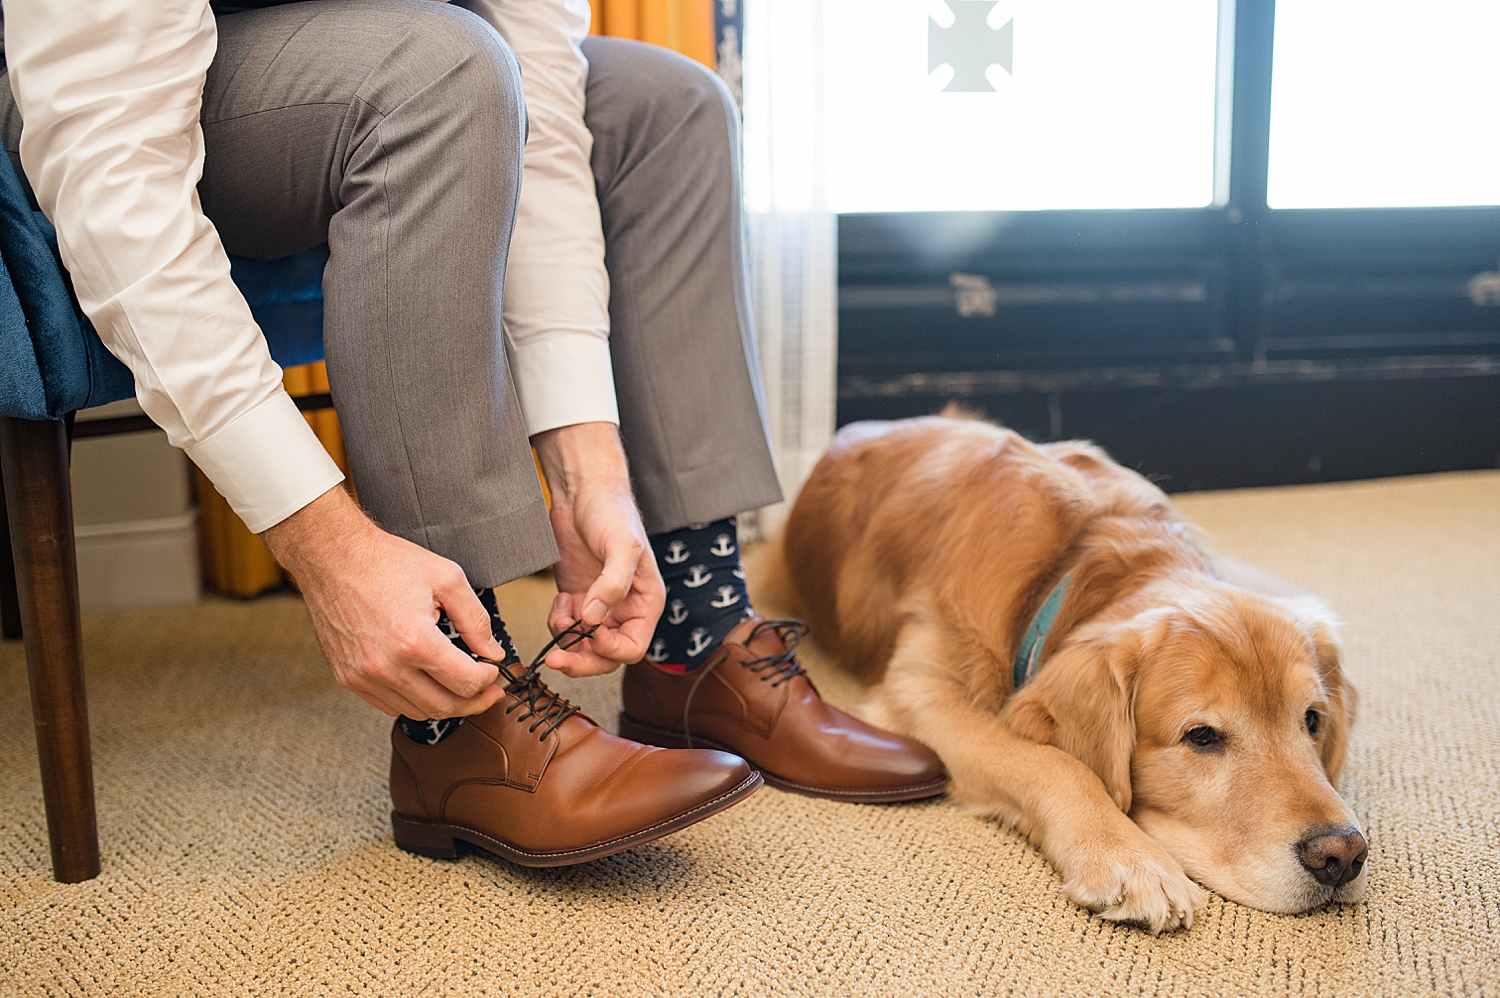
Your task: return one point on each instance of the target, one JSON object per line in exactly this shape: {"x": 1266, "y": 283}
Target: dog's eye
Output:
{"x": 1314, "y": 722}
{"x": 1203, "y": 737}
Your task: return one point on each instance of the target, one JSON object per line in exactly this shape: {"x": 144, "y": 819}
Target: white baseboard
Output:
{"x": 138, "y": 563}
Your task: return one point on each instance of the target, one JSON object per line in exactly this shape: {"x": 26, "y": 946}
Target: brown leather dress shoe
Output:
{"x": 752, "y": 698}
{"x": 536, "y": 782}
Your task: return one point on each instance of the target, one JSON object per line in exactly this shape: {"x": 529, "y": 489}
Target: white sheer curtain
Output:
{"x": 792, "y": 234}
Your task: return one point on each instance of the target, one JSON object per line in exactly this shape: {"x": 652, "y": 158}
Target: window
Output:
{"x": 1024, "y": 104}
{"x": 1385, "y": 104}
{"x": 1173, "y": 311}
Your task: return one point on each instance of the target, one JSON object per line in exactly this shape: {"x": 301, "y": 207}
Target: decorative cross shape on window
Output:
{"x": 970, "y": 46}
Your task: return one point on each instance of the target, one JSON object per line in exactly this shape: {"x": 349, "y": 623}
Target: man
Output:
{"x": 157, "y": 134}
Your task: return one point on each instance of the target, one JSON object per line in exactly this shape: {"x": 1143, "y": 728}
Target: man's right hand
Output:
{"x": 375, "y": 600}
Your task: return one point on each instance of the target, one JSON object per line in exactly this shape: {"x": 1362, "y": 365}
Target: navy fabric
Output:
{"x": 49, "y": 365}
{"x": 52, "y": 362}
{"x": 286, "y": 298}
{"x": 706, "y": 595}
{"x": 21, "y": 392}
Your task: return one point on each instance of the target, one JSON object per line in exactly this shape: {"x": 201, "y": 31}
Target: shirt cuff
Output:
{"x": 564, "y": 378}
{"x": 268, "y": 463}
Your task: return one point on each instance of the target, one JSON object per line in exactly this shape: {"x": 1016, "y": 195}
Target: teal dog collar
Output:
{"x": 1028, "y": 658}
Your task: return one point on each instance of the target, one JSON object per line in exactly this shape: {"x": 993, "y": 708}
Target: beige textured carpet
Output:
{"x": 247, "y": 852}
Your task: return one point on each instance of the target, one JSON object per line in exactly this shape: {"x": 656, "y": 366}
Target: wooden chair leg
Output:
{"x": 10, "y": 607}
{"x": 34, "y": 464}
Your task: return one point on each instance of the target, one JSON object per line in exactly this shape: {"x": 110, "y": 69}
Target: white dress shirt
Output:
{"x": 111, "y": 93}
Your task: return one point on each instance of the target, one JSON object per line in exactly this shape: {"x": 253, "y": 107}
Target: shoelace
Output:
{"x": 531, "y": 692}
{"x": 777, "y": 668}
{"x": 783, "y": 665}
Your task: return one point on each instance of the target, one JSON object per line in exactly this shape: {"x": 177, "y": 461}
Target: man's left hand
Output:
{"x": 606, "y": 573}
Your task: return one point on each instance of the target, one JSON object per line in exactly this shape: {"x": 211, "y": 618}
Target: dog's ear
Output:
{"x": 1082, "y": 701}
{"x": 1323, "y": 628}
{"x": 1343, "y": 699}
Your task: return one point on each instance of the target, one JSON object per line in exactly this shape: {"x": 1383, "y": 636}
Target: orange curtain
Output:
{"x": 685, "y": 26}
{"x": 235, "y": 561}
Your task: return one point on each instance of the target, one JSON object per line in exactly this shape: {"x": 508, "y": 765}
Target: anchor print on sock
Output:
{"x": 705, "y": 591}
{"x": 701, "y": 641}
{"x": 431, "y": 731}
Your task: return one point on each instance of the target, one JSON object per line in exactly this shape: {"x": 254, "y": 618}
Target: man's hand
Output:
{"x": 606, "y": 573}
{"x": 375, "y": 599}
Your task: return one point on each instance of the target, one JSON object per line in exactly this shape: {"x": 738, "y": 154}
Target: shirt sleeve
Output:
{"x": 556, "y": 302}
{"x": 110, "y": 92}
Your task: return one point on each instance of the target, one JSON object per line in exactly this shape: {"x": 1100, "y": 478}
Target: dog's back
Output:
{"x": 945, "y": 506}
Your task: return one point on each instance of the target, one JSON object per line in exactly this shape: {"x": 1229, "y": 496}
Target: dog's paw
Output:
{"x": 1139, "y": 884}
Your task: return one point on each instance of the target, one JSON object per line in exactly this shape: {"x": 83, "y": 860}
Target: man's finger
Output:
{"x": 427, "y": 698}
{"x": 626, "y": 643}
{"x": 483, "y": 702}
{"x": 605, "y": 651}
{"x": 614, "y": 581}
{"x": 468, "y": 615}
{"x": 377, "y": 703}
{"x": 455, "y": 672}
{"x": 387, "y": 700}
{"x": 435, "y": 699}
{"x": 571, "y": 663}
{"x": 561, "y": 615}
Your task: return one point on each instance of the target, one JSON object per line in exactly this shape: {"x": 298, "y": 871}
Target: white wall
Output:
{"x": 133, "y": 517}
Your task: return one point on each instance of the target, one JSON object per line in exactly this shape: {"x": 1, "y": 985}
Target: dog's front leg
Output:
{"x": 1107, "y": 863}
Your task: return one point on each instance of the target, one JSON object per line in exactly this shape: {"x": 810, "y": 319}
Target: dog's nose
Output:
{"x": 1334, "y": 856}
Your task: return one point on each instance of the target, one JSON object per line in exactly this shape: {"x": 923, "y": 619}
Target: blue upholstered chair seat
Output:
{"x": 286, "y": 298}
{"x": 51, "y": 359}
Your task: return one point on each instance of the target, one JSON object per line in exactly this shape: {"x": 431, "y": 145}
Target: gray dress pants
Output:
{"x": 394, "y": 130}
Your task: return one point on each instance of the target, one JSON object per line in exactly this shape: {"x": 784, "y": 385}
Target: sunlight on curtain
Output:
{"x": 792, "y": 234}
{"x": 685, "y": 26}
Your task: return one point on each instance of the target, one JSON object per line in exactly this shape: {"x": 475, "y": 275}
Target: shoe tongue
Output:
{"x": 767, "y": 642}
{"x": 514, "y": 671}
{"x": 740, "y": 635}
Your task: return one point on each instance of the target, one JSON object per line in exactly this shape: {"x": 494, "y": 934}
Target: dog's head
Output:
{"x": 1218, "y": 719}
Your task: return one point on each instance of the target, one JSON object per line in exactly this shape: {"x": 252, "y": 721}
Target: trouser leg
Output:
{"x": 393, "y": 129}
{"x": 666, "y": 167}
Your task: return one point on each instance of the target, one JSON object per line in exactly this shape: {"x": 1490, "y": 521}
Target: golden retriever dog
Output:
{"x": 1177, "y": 721}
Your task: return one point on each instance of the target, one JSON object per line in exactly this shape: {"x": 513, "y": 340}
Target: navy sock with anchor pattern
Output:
{"x": 706, "y": 593}
{"x": 433, "y": 731}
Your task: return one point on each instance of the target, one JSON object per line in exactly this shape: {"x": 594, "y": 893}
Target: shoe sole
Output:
{"x": 441, "y": 841}
{"x": 639, "y": 731}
